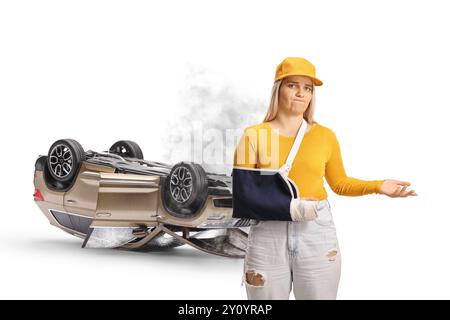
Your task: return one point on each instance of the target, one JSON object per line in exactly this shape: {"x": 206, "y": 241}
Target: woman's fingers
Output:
{"x": 405, "y": 193}
{"x": 396, "y": 188}
{"x": 399, "y": 191}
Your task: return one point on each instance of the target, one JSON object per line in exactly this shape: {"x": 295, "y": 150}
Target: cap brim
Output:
{"x": 317, "y": 82}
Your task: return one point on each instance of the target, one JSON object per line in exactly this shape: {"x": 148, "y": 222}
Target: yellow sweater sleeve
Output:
{"x": 338, "y": 180}
{"x": 320, "y": 156}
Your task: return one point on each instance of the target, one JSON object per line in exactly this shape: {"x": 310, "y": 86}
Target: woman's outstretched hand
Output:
{"x": 396, "y": 188}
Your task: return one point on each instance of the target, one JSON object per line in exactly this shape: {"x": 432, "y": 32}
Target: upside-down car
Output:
{"x": 117, "y": 199}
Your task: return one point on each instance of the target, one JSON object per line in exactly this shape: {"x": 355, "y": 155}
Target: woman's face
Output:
{"x": 295, "y": 94}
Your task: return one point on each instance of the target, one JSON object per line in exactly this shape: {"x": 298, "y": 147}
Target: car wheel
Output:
{"x": 127, "y": 149}
{"x": 64, "y": 159}
{"x": 185, "y": 189}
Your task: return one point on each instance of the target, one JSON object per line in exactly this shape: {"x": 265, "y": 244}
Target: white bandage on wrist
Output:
{"x": 303, "y": 210}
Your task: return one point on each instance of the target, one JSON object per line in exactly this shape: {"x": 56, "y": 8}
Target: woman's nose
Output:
{"x": 300, "y": 93}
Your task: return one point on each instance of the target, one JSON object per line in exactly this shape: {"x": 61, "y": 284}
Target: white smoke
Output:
{"x": 211, "y": 121}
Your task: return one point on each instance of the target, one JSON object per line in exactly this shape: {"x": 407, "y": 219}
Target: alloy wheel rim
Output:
{"x": 181, "y": 184}
{"x": 61, "y": 161}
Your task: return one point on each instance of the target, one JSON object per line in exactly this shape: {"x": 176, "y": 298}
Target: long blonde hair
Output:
{"x": 271, "y": 114}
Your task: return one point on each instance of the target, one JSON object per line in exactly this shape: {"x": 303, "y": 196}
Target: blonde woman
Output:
{"x": 302, "y": 255}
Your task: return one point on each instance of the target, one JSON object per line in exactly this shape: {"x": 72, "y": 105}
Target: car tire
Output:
{"x": 185, "y": 189}
{"x": 64, "y": 159}
{"x": 127, "y": 149}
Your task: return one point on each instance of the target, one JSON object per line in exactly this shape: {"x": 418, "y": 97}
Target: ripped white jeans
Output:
{"x": 286, "y": 254}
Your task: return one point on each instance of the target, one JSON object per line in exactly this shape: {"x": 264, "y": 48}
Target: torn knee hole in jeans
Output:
{"x": 254, "y": 278}
{"x": 332, "y": 254}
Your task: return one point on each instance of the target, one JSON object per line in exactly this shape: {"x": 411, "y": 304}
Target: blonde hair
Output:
{"x": 271, "y": 114}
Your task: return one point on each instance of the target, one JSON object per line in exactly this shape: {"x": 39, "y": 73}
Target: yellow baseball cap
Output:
{"x": 293, "y": 66}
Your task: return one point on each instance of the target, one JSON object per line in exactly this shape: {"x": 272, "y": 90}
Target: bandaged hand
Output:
{"x": 303, "y": 210}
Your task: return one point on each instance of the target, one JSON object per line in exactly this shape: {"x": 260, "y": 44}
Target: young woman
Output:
{"x": 303, "y": 255}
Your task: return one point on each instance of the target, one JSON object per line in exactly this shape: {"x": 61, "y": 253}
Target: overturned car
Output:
{"x": 116, "y": 199}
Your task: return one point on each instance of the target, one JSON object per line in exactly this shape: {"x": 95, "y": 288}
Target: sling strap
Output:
{"x": 285, "y": 168}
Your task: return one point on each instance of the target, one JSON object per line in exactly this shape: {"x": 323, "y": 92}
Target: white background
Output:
{"x": 99, "y": 71}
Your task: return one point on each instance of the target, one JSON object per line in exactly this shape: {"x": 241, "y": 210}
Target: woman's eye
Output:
{"x": 291, "y": 85}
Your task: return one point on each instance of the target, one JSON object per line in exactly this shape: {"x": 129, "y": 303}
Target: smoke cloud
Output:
{"x": 210, "y": 122}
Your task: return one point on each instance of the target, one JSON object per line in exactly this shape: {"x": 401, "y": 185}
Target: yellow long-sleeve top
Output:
{"x": 319, "y": 155}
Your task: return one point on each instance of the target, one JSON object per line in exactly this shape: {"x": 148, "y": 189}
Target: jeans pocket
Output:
{"x": 324, "y": 216}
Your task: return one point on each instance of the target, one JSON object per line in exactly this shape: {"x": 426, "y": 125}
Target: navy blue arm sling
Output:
{"x": 268, "y": 194}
